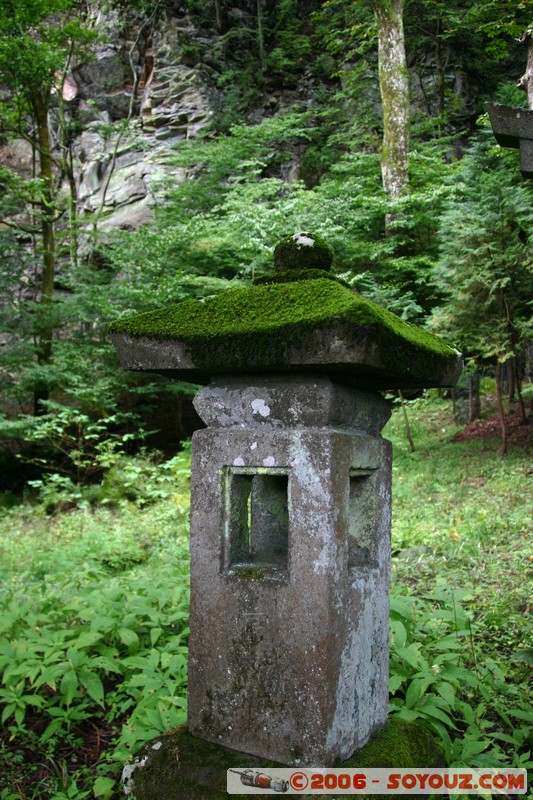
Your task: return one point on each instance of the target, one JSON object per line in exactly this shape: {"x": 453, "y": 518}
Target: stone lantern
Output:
{"x": 290, "y": 501}
{"x": 513, "y": 127}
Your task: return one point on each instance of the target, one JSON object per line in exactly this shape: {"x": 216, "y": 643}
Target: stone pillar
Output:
{"x": 290, "y": 555}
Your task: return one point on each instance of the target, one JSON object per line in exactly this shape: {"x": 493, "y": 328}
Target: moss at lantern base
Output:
{"x": 178, "y": 766}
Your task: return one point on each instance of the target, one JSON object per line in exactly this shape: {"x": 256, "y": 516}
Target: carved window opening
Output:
{"x": 256, "y": 520}
{"x": 362, "y": 505}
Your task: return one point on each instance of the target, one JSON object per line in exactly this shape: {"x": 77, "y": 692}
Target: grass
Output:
{"x": 469, "y": 526}
{"x": 93, "y": 624}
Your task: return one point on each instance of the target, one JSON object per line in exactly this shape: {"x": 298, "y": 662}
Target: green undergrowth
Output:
{"x": 461, "y": 588}
{"x": 94, "y": 605}
{"x": 93, "y": 637}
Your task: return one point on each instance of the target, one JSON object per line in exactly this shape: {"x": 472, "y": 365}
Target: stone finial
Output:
{"x": 303, "y": 251}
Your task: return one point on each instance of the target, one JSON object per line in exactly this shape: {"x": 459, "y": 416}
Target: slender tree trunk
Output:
{"x": 394, "y": 89}
{"x": 260, "y": 33}
{"x": 439, "y": 69}
{"x": 526, "y": 81}
{"x": 501, "y": 411}
{"x": 406, "y": 421}
{"x": 44, "y": 340}
{"x": 67, "y": 166}
{"x": 511, "y": 388}
{"x": 516, "y": 380}
{"x": 220, "y": 16}
{"x": 474, "y": 409}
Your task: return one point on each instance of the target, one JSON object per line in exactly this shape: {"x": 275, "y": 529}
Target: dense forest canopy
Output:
{"x": 152, "y": 151}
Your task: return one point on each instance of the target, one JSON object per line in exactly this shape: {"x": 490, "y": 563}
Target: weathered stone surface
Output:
{"x": 303, "y": 251}
{"x": 513, "y": 127}
{"x": 178, "y": 766}
{"x": 138, "y": 178}
{"x": 289, "y": 401}
{"x": 290, "y": 526}
{"x": 315, "y": 324}
{"x": 290, "y": 506}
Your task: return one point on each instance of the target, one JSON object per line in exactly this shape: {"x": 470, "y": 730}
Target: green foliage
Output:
{"x": 33, "y": 47}
{"x": 227, "y": 221}
{"x": 93, "y": 637}
{"x": 94, "y": 612}
{"x": 440, "y": 675}
{"x": 459, "y": 621}
{"x": 73, "y": 443}
{"x": 485, "y": 268}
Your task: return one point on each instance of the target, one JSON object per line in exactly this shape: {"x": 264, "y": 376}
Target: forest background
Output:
{"x": 153, "y": 151}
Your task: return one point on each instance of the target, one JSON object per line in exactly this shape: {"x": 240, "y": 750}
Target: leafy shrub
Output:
{"x": 439, "y": 676}
{"x": 93, "y": 637}
{"x": 93, "y": 629}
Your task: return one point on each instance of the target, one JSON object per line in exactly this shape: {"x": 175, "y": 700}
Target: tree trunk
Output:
{"x": 526, "y": 81}
{"x": 511, "y": 388}
{"x": 516, "y": 381}
{"x": 474, "y": 405}
{"x": 260, "y": 34}
{"x": 220, "y": 13}
{"x": 394, "y": 88}
{"x": 501, "y": 411}
{"x": 44, "y": 339}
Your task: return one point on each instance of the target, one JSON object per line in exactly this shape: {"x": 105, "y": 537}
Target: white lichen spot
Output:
{"x": 302, "y": 240}
{"x": 253, "y": 446}
{"x": 127, "y": 774}
{"x": 238, "y": 462}
{"x": 157, "y": 745}
{"x": 260, "y": 407}
{"x": 269, "y": 461}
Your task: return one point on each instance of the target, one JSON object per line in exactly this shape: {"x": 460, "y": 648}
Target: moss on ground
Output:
{"x": 187, "y": 767}
{"x": 255, "y": 325}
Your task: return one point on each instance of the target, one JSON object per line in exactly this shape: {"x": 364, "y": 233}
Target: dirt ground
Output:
{"x": 518, "y": 434}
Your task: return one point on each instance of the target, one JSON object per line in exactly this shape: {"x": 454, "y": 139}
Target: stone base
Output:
{"x": 178, "y": 766}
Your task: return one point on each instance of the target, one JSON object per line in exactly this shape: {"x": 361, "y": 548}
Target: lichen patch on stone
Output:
{"x": 260, "y": 407}
{"x": 128, "y": 771}
{"x": 303, "y": 239}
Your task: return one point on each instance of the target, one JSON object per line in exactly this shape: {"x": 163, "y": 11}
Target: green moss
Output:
{"x": 254, "y": 573}
{"x": 299, "y": 275}
{"x": 185, "y": 766}
{"x": 399, "y": 745}
{"x": 255, "y": 327}
{"x": 303, "y": 251}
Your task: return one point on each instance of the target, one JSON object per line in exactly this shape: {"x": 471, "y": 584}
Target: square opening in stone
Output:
{"x": 256, "y": 519}
{"x": 361, "y": 518}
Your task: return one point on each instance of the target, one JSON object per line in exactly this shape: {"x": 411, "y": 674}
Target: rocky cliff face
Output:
{"x": 132, "y": 101}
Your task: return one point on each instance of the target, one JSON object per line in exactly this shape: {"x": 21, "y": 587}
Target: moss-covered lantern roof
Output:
{"x": 299, "y": 320}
